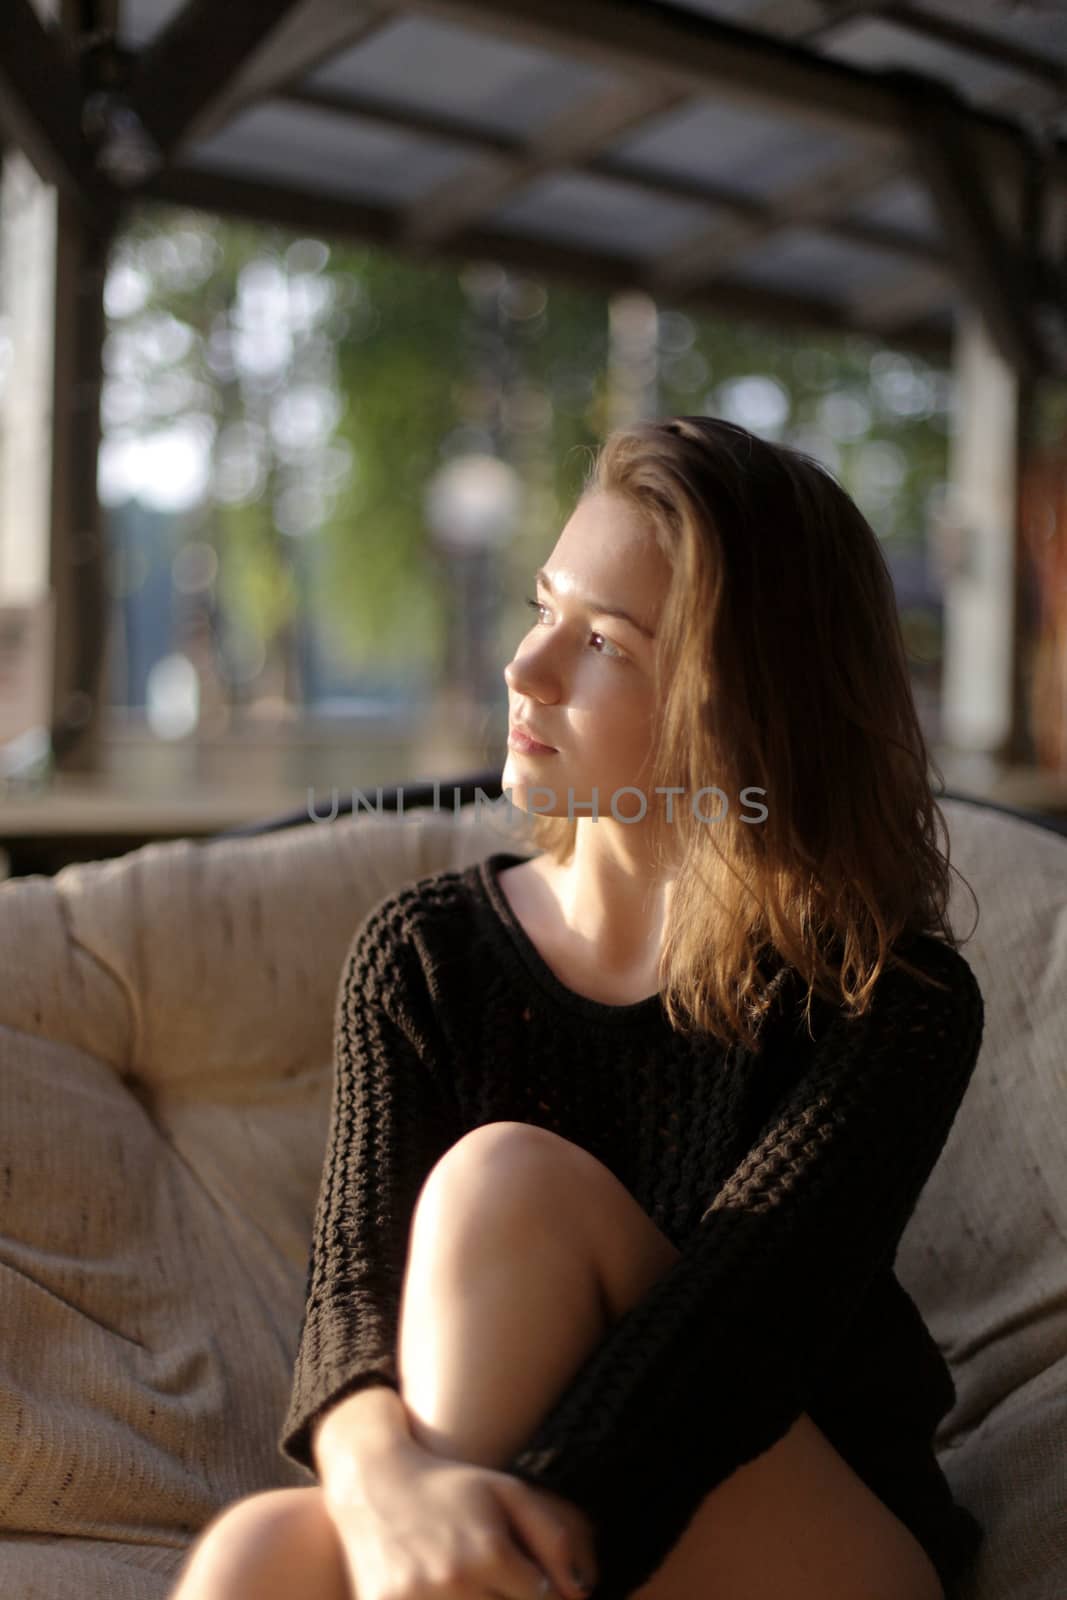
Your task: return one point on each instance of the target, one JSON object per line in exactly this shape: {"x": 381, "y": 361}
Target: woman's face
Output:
{"x": 581, "y": 678}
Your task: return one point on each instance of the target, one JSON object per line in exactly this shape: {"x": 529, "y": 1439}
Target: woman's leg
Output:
{"x": 476, "y": 1395}
{"x": 505, "y": 1289}
{"x": 275, "y": 1545}
{"x": 523, "y": 1249}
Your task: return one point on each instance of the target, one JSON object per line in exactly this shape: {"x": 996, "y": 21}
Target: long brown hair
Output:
{"x": 782, "y": 680}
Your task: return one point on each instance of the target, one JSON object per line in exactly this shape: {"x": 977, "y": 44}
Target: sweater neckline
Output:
{"x": 582, "y": 1005}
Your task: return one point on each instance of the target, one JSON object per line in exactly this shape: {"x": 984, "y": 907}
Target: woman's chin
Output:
{"x": 528, "y": 792}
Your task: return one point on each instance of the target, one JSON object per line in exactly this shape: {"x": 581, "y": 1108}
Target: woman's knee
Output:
{"x": 264, "y": 1541}
{"x": 507, "y": 1160}
{"x": 269, "y": 1515}
{"x": 498, "y": 1148}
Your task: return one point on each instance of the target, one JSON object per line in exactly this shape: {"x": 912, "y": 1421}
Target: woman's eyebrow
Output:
{"x": 598, "y": 606}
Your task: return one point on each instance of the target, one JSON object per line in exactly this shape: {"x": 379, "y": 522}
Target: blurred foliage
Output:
{"x": 424, "y": 361}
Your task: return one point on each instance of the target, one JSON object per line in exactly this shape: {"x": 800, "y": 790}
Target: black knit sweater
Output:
{"x": 785, "y": 1176}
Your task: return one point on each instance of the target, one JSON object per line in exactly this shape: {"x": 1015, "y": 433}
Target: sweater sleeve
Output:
{"x": 712, "y": 1367}
{"x": 392, "y": 1117}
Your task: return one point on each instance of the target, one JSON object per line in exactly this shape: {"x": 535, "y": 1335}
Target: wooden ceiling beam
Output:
{"x": 990, "y": 260}
{"x": 816, "y": 202}
{"x": 507, "y": 153}
{"x": 567, "y": 142}
{"x": 760, "y": 64}
{"x": 708, "y": 56}
{"x": 700, "y": 54}
{"x": 41, "y": 104}
{"x": 1041, "y": 99}
{"x": 903, "y": 301}
{"x": 809, "y": 17}
{"x": 711, "y": 56}
{"x": 295, "y": 208}
{"x": 973, "y": 40}
{"x": 314, "y": 32}
{"x": 196, "y": 57}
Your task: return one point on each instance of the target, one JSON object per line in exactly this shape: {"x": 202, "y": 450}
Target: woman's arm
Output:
{"x": 369, "y": 1423}
{"x": 392, "y": 1117}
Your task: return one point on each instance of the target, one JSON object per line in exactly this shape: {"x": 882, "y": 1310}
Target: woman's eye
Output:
{"x": 611, "y": 649}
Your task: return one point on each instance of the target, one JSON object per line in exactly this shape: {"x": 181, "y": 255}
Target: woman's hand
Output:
{"x": 427, "y": 1528}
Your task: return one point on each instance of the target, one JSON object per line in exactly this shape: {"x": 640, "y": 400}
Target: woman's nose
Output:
{"x": 528, "y": 673}
{"x": 512, "y": 677}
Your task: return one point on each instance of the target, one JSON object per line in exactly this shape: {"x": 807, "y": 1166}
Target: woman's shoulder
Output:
{"x": 928, "y": 960}
{"x": 432, "y": 905}
{"x": 924, "y": 980}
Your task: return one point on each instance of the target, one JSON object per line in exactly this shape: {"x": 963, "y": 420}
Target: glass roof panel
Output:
{"x": 870, "y": 43}
{"x": 332, "y": 154}
{"x": 430, "y": 65}
{"x": 583, "y": 210}
{"x": 816, "y": 264}
{"x": 723, "y": 142}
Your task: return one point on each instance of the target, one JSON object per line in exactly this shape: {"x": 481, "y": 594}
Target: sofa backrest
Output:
{"x": 165, "y": 1076}
{"x": 984, "y": 1253}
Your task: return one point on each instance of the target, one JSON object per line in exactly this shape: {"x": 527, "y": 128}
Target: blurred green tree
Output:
{"x": 332, "y": 379}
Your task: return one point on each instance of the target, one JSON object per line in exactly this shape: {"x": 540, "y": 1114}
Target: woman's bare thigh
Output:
{"x": 274, "y": 1544}
{"x": 796, "y": 1523}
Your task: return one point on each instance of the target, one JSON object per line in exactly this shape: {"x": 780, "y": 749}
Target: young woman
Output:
{"x": 625, "y": 1135}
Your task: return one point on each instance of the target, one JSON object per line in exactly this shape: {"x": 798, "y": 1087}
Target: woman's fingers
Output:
{"x": 556, "y": 1534}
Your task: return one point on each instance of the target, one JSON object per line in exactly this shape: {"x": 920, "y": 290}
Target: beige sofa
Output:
{"x": 165, "y": 1066}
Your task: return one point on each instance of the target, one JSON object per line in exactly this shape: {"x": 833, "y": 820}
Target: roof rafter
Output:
{"x": 47, "y": 126}
{"x": 196, "y": 57}
{"x": 976, "y": 42}
{"x": 988, "y": 261}
{"x": 700, "y": 54}
{"x": 573, "y": 140}
{"x": 210, "y": 63}
{"x": 904, "y": 298}
{"x": 708, "y": 55}
{"x": 292, "y": 207}
{"x": 814, "y": 202}
{"x": 508, "y": 154}
{"x": 308, "y": 35}
{"x": 568, "y": 141}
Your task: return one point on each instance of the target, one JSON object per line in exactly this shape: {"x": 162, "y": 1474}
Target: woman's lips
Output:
{"x": 517, "y": 740}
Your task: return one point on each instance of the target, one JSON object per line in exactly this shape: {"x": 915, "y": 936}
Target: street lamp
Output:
{"x": 472, "y": 507}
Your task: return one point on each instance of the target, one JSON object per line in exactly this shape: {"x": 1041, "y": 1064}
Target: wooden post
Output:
{"x": 27, "y": 276}
{"x": 78, "y": 557}
{"x": 984, "y": 722}
{"x": 55, "y": 248}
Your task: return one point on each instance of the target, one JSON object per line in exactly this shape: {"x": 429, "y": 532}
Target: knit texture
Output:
{"x": 785, "y": 1175}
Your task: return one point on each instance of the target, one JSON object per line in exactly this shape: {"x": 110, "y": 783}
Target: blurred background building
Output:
{"x": 311, "y": 314}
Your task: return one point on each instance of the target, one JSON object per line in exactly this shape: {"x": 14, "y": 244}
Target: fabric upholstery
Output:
{"x": 985, "y": 1254}
{"x": 165, "y": 1073}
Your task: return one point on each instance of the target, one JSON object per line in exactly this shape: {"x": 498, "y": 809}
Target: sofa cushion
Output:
{"x": 984, "y": 1255}
{"x": 165, "y": 1075}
